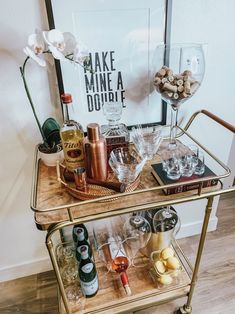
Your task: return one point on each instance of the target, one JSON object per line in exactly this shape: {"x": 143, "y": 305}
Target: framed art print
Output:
{"x": 121, "y": 37}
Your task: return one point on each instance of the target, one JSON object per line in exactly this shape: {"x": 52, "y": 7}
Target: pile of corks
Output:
{"x": 175, "y": 86}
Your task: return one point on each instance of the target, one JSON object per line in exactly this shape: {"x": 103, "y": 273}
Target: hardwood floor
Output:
{"x": 214, "y": 293}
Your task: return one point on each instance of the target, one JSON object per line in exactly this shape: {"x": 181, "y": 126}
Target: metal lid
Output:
{"x": 93, "y": 131}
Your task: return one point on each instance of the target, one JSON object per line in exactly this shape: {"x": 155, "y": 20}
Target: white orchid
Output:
{"x": 35, "y": 48}
{"x": 63, "y": 46}
{"x": 56, "y": 43}
{"x": 80, "y": 53}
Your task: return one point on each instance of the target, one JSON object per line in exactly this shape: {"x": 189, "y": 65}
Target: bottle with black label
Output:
{"x": 75, "y": 232}
{"x": 81, "y": 241}
{"x": 88, "y": 274}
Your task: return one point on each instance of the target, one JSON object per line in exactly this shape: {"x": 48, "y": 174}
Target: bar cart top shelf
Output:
{"x": 52, "y": 204}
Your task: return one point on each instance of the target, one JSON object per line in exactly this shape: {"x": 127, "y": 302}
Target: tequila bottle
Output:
{"x": 72, "y": 135}
{"x": 88, "y": 274}
{"x": 115, "y": 133}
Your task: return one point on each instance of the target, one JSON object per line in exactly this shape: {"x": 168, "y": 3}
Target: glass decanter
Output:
{"x": 115, "y": 133}
{"x": 178, "y": 73}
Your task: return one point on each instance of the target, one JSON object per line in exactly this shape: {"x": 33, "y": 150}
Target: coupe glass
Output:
{"x": 178, "y": 73}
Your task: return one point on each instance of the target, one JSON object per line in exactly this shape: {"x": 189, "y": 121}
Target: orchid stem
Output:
{"x": 22, "y": 71}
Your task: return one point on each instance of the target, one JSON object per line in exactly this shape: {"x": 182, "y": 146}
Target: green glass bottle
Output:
{"x": 88, "y": 274}
{"x": 81, "y": 241}
{"x": 75, "y": 232}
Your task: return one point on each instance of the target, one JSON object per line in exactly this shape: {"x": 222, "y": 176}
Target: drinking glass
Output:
{"x": 200, "y": 165}
{"x": 75, "y": 295}
{"x": 69, "y": 273}
{"x": 65, "y": 254}
{"x": 187, "y": 164}
{"x": 178, "y": 73}
{"x": 126, "y": 164}
{"x": 147, "y": 140}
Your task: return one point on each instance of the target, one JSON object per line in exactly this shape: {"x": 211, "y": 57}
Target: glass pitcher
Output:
{"x": 165, "y": 224}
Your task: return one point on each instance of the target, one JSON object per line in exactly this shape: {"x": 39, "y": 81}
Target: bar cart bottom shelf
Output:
{"x": 146, "y": 292}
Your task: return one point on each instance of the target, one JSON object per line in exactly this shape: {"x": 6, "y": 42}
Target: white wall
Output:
{"x": 212, "y": 23}
{"x": 22, "y": 249}
{"x": 20, "y": 242}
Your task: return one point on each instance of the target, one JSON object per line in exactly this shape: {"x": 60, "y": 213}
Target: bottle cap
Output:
{"x": 84, "y": 251}
{"x": 93, "y": 131}
{"x": 80, "y": 234}
{"x": 66, "y": 98}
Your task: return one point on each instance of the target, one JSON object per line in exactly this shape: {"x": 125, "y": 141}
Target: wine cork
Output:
{"x": 179, "y": 82}
{"x": 180, "y": 88}
{"x": 194, "y": 87}
{"x": 184, "y": 95}
{"x": 167, "y": 94}
{"x": 170, "y": 78}
{"x": 187, "y": 73}
{"x": 169, "y": 72}
{"x": 169, "y": 87}
{"x": 179, "y": 77}
{"x": 164, "y": 80}
{"x": 175, "y": 95}
{"x": 157, "y": 81}
{"x": 161, "y": 72}
{"x": 187, "y": 87}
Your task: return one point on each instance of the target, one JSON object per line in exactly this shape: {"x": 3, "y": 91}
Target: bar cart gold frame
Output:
{"x": 54, "y": 225}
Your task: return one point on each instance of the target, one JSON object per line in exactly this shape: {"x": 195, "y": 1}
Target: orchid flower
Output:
{"x": 56, "y": 43}
{"x": 80, "y": 53}
{"x": 35, "y": 48}
{"x": 63, "y": 46}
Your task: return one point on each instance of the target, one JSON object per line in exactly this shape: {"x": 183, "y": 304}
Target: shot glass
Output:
{"x": 80, "y": 179}
{"x": 200, "y": 165}
{"x": 172, "y": 167}
{"x": 187, "y": 165}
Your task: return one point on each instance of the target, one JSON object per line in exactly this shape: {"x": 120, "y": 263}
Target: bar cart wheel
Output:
{"x": 184, "y": 310}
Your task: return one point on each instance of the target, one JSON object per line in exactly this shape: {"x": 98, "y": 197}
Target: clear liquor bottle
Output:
{"x": 115, "y": 133}
{"x": 88, "y": 274}
{"x": 72, "y": 135}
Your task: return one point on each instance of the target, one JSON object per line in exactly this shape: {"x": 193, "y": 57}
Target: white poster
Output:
{"x": 121, "y": 37}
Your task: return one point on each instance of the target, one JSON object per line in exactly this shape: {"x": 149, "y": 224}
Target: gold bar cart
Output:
{"x": 55, "y": 209}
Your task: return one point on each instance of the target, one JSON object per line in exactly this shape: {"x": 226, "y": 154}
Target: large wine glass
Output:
{"x": 178, "y": 73}
{"x": 137, "y": 232}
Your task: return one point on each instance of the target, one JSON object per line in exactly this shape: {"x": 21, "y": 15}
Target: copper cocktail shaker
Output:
{"x": 95, "y": 153}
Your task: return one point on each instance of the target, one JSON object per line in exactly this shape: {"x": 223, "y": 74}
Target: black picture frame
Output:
{"x": 167, "y": 34}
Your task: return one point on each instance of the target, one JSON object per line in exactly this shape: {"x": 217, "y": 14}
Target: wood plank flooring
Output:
{"x": 214, "y": 293}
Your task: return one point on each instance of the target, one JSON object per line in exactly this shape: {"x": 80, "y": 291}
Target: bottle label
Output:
{"x": 116, "y": 248}
{"x": 89, "y": 288}
{"x": 73, "y": 151}
{"x": 87, "y": 268}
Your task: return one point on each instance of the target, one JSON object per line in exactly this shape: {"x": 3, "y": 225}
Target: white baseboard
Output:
{"x": 190, "y": 229}
{"x": 44, "y": 264}
{"x": 26, "y": 269}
